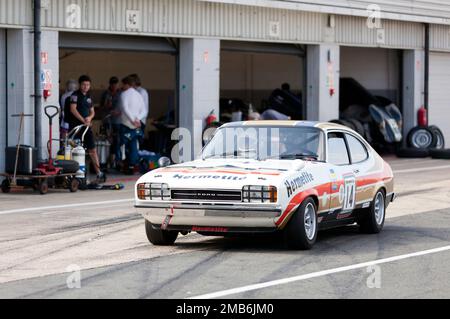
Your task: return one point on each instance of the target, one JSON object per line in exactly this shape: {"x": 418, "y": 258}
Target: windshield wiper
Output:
{"x": 234, "y": 154}
{"x": 300, "y": 156}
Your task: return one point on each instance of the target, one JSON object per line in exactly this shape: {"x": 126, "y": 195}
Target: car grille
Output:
{"x": 207, "y": 195}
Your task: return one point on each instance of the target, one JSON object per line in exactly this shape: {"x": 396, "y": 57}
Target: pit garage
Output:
{"x": 104, "y": 56}
{"x": 251, "y": 72}
{"x": 371, "y": 76}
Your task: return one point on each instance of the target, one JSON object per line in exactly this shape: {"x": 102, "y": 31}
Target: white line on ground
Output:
{"x": 34, "y": 209}
{"x": 412, "y": 170}
{"x": 318, "y": 274}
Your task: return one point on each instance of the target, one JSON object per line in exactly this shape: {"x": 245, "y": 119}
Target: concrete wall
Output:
{"x": 20, "y": 84}
{"x": 157, "y": 71}
{"x": 323, "y": 69}
{"x": 376, "y": 69}
{"x": 50, "y": 45}
{"x": 3, "y": 123}
{"x": 199, "y": 86}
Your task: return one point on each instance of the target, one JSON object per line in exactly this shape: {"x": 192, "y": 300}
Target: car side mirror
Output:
{"x": 164, "y": 162}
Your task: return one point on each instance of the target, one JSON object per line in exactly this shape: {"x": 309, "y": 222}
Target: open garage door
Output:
{"x": 370, "y": 76}
{"x": 104, "y": 56}
{"x": 250, "y": 72}
{"x": 440, "y": 92}
{"x": 378, "y": 70}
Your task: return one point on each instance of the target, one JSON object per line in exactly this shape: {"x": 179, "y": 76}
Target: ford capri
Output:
{"x": 294, "y": 178}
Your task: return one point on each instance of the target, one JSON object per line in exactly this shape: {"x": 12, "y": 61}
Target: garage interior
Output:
{"x": 250, "y": 72}
{"x": 101, "y": 57}
{"x": 370, "y": 76}
{"x": 378, "y": 70}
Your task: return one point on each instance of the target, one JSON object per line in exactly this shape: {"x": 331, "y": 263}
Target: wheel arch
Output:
{"x": 298, "y": 200}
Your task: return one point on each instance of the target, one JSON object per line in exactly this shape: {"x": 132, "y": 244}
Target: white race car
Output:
{"x": 270, "y": 176}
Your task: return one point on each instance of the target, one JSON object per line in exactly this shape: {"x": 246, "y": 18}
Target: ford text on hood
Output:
{"x": 258, "y": 177}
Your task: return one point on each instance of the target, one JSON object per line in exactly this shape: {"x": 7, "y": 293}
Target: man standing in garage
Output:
{"x": 133, "y": 111}
{"x": 137, "y": 85}
{"x": 81, "y": 111}
{"x": 110, "y": 104}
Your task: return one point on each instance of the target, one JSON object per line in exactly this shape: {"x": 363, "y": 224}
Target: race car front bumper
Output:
{"x": 210, "y": 216}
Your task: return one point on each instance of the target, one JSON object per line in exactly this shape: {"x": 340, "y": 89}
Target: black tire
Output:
{"x": 68, "y": 167}
{"x": 440, "y": 154}
{"x": 295, "y": 234}
{"x": 422, "y": 137}
{"x": 344, "y": 123}
{"x": 159, "y": 237}
{"x": 349, "y": 124}
{"x": 74, "y": 185}
{"x": 359, "y": 127}
{"x": 43, "y": 187}
{"x": 6, "y": 186}
{"x": 440, "y": 139}
{"x": 412, "y": 153}
{"x": 368, "y": 222}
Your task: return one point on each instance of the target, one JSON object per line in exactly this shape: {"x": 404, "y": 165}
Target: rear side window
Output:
{"x": 337, "y": 149}
{"x": 358, "y": 151}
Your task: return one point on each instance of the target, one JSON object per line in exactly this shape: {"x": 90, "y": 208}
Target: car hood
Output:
{"x": 224, "y": 174}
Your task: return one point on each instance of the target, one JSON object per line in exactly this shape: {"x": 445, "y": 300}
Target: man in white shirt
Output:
{"x": 133, "y": 111}
{"x": 137, "y": 84}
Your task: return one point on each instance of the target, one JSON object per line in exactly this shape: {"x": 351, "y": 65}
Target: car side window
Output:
{"x": 358, "y": 151}
{"x": 337, "y": 149}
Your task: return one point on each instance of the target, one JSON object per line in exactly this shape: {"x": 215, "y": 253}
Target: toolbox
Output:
{"x": 27, "y": 160}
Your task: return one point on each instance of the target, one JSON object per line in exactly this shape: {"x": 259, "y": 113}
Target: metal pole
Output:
{"x": 427, "y": 67}
{"x": 37, "y": 80}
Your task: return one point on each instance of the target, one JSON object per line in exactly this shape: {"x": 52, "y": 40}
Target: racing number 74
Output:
{"x": 349, "y": 193}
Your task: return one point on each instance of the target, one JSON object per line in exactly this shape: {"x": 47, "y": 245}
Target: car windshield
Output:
{"x": 262, "y": 143}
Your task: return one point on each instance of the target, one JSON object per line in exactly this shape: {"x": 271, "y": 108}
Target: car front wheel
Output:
{"x": 159, "y": 237}
{"x": 372, "y": 219}
{"x": 301, "y": 232}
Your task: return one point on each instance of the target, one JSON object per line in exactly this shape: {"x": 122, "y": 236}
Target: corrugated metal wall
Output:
{"x": 191, "y": 18}
{"x": 440, "y": 38}
{"x": 398, "y": 34}
{"x": 431, "y": 11}
{"x": 16, "y": 12}
{"x": 194, "y": 18}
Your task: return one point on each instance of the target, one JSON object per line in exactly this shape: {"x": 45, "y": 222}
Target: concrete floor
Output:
{"x": 41, "y": 237}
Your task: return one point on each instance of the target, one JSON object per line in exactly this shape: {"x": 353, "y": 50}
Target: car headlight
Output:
{"x": 259, "y": 194}
{"x": 153, "y": 191}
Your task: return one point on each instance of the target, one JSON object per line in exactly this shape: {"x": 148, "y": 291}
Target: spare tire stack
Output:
{"x": 424, "y": 142}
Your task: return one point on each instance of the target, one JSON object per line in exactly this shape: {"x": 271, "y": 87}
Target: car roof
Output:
{"x": 326, "y": 126}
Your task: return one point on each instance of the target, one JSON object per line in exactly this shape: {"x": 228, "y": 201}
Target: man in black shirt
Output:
{"x": 82, "y": 113}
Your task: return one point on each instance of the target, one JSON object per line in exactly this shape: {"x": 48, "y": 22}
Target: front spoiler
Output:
{"x": 197, "y": 216}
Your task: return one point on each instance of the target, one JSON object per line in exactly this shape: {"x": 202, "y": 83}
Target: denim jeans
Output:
{"x": 130, "y": 138}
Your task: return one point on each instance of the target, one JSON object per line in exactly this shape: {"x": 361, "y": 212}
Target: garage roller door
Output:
{"x": 87, "y": 41}
{"x": 440, "y": 93}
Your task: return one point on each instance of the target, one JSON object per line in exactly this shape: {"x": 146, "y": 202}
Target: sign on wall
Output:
{"x": 134, "y": 20}
{"x": 73, "y": 16}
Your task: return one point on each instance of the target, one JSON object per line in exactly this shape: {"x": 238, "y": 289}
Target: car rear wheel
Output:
{"x": 301, "y": 232}
{"x": 6, "y": 186}
{"x": 159, "y": 237}
{"x": 372, "y": 220}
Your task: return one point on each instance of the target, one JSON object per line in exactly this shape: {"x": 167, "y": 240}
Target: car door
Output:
{"x": 342, "y": 177}
{"x": 359, "y": 157}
